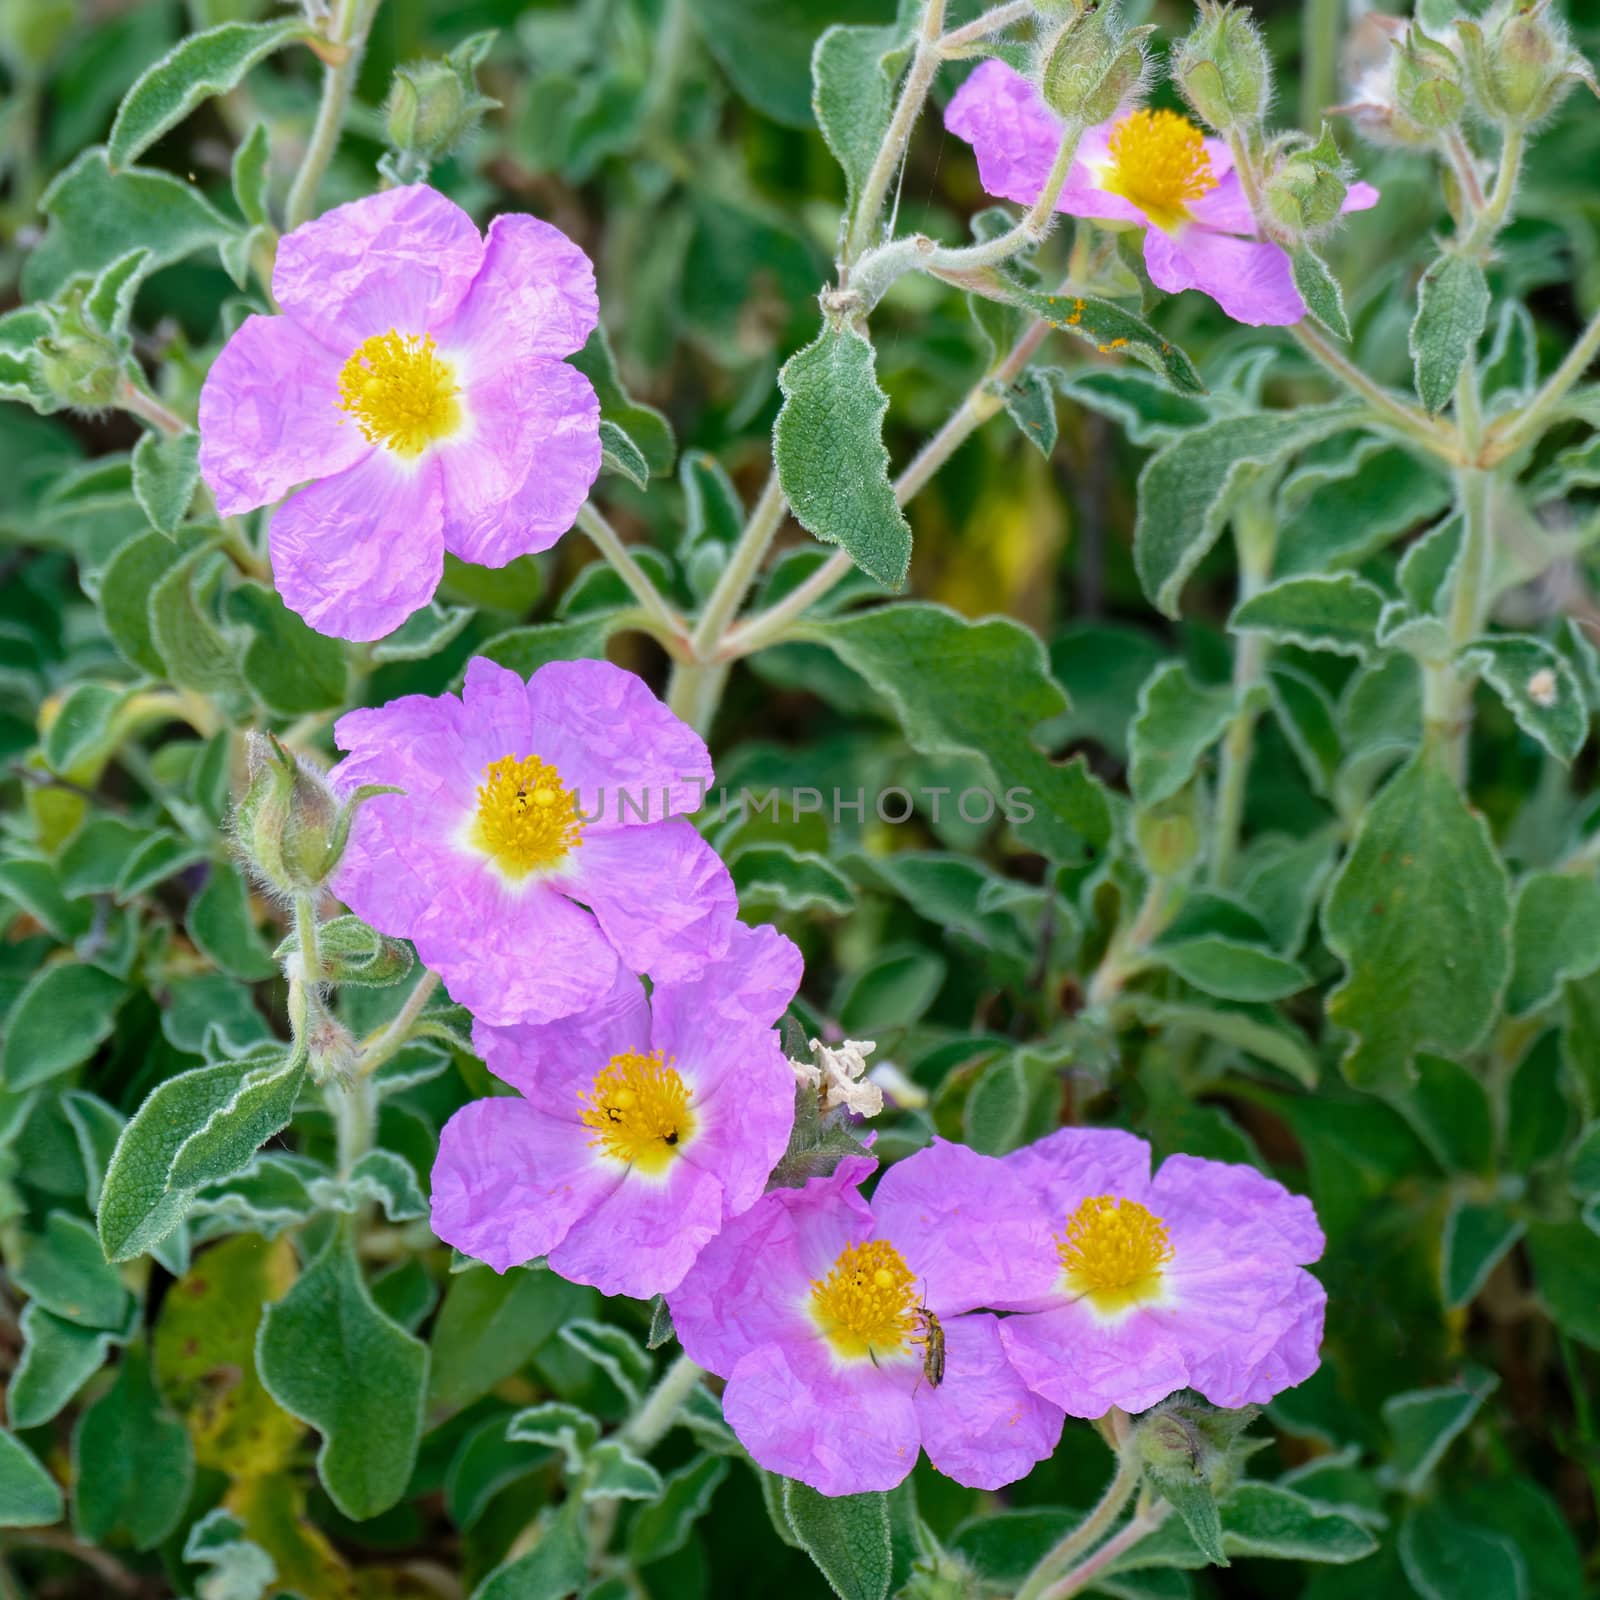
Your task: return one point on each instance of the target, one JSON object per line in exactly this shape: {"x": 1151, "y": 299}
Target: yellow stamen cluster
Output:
{"x": 400, "y": 392}
{"x": 1159, "y": 163}
{"x": 638, "y": 1107}
{"x": 527, "y": 818}
{"x": 866, "y": 1306}
{"x": 1112, "y": 1251}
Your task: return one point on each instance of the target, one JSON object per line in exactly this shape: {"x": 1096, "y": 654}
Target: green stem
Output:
{"x": 1088, "y": 1532}
{"x": 1432, "y": 435}
{"x": 397, "y": 1031}
{"x": 1520, "y": 428}
{"x": 869, "y": 204}
{"x": 1074, "y": 1582}
{"x": 147, "y": 408}
{"x": 672, "y": 631}
{"x": 1125, "y": 955}
{"x": 1459, "y": 154}
{"x": 983, "y": 26}
{"x": 1322, "y": 34}
{"x": 338, "y": 83}
{"x": 1496, "y": 210}
{"x": 662, "y": 1405}
{"x": 305, "y": 929}
{"x": 743, "y": 565}
{"x": 354, "y": 1104}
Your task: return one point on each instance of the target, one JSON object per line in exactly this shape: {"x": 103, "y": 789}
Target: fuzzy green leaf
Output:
{"x": 60, "y": 1018}
{"x": 846, "y": 1535}
{"x": 166, "y": 469}
{"x": 1452, "y": 306}
{"x": 1339, "y": 613}
{"x": 1555, "y": 937}
{"x": 29, "y": 1496}
{"x": 1178, "y": 721}
{"x": 1539, "y": 688}
{"x": 853, "y": 74}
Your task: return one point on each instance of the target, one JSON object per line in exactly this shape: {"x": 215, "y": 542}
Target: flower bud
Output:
{"x": 1520, "y": 63}
{"x": 287, "y": 824}
{"x": 1222, "y": 68}
{"x": 434, "y": 105}
{"x": 941, "y": 1576}
{"x": 1428, "y": 81}
{"x": 1092, "y": 65}
{"x": 1304, "y": 189}
{"x": 80, "y": 369}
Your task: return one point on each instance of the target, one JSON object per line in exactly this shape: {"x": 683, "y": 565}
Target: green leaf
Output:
{"x": 1191, "y": 1497}
{"x": 205, "y": 64}
{"x": 1446, "y": 1558}
{"x": 222, "y": 927}
{"x": 166, "y": 468}
{"x": 252, "y": 175}
{"x": 1186, "y": 488}
{"x": 64, "y": 1270}
{"x": 525, "y": 650}
{"x": 775, "y": 874}
{"x": 242, "y": 1570}
{"x": 614, "y": 1472}
{"x": 81, "y": 731}
{"x": 380, "y": 1176}
{"x": 1178, "y": 721}
{"x": 138, "y": 1208}
{"x": 424, "y": 633}
{"x": 60, "y": 1019}
{"x": 997, "y": 1107}
{"x": 1260, "y": 1519}
{"x": 1424, "y": 1422}
{"x": 646, "y": 428}
{"x": 1231, "y": 969}
{"x": 29, "y": 1496}
{"x": 1555, "y": 937}
{"x": 58, "y": 1358}
{"x": 1030, "y": 402}
{"x": 1339, "y": 612}
{"x": 1566, "y": 1267}
{"x": 1452, "y": 306}
{"x": 1539, "y": 688}
{"x": 891, "y": 991}
{"x": 557, "y": 1566}
{"x": 292, "y": 668}
{"x": 846, "y": 1535}
{"x": 1476, "y": 1239}
{"x": 125, "y": 587}
{"x": 195, "y": 653}
{"x": 232, "y": 1133}
{"x": 661, "y": 1529}
{"x": 978, "y": 689}
{"x": 1420, "y": 913}
{"x": 1111, "y": 329}
{"x": 1320, "y": 290}
{"x": 1261, "y": 1034}
{"x": 853, "y": 77}
{"x": 329, "y": 1356}
{"x": 828, "y": 448}
{"x": 620, "y": 455}
{"x": 132, "y": 1465}
{"x": 615, "y": 1352}
{"x": 98, "y": 216}
{"x": 490, "y": 1324}
{"x": 485, "y": 1463}
{"x": 563, "y": 1427}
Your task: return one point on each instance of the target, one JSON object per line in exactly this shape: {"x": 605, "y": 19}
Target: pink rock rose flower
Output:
{"x": 1146, "y": 169}
{"x": 415, "y": 385}
{"x": 647, "y": 1124}
{"x": 541, "y": 840}
{"x": 825, "y": 1312}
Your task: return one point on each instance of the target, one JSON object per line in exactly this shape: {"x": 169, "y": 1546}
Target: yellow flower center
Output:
{"x": 1159, "y": 163}
{"x": 401, "y": 393}
{"x": 1112, "y": 1252}
{"x": 638, "y": 1107}
{"x": 526, "y": 817}
{"x": 867, "y": 1305}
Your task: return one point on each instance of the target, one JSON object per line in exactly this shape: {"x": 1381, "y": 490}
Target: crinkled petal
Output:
{"x": 415, "y": 743}
{"x": 750, "y": 1285}
{"x": 1250, "y": 279}
{"x": 660, "y": 893}
{"x": 1086, "y": 1365}
{"x": 1254, "y": 1214}
{"x": 1278, "y": 1347}
{"x": 515, "y": 476}
{"x": 403, "y": 259}
{"x": 511, "y": 952}
{"x": 753, "y": 981}
{"x": 558, "y": 1060}
{"x": 270, "y": 417}
{"x": 969, "y": 1226}
{"x": 799, "y": 1416}
{"x": 534, "y": 296}
{"x": 645, "y": 1235}
{"x": 743, "y": 1102}
{"x": 496, "y": 720}
{"x": 356, "y": 554}
{"x": 983, "y": 1426}
{"x": 1069, "y": 1165}
{"x": 631, "y": 760}
{"x": 509, "y": 1181}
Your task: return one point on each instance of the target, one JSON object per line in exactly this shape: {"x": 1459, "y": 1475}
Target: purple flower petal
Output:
{"x": 270, "y": 418}
{"x": 743, "y": 1104}
{"x": 1253, "y": 1214}
{"x": 1086, "y": 1365}
{"x": 660, "y": 893}
{"x": 643, "y": 1237}
{"x": 534, "y": 296}
{"x": 753, "y": 981}
{"x": 356, "y": 554}
{"x": 983, "y": 1426}
{"x": 510, "y": 1181}
{"x": 1273, "y": 1349}
{"x": 515, "y": 477}
{"x": 842, "y": 1432}
{"x": 1249, "y": 278}
{"x": 403, "y": 259}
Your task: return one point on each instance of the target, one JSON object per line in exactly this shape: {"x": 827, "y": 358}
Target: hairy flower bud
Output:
{"x": 434, "y": 105}
{"x": 1091, "y": 65}
{"x": 1223, "y": 69}
{"x": 1428, "y": 81}
{"x": 1519, "y": 62}
{"x": 1304, "y": 189}
{"x": 287, "y": 824}
{"x": 80, "y": 368}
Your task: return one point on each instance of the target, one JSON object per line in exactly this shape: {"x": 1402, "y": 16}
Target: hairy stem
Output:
{"x": 395, "y": 1033}
{"x": 1523, "y": 427}
{"x": 1434, "y": 436}
{"x": 982, "y": 26}
{"x": 1074, "y": 1582}
{"x": 1466, "y": 168}
{"x": 662, "y": 1405}
{"x": 353, "y": 23}
{"x": 1495, "y": 211}
{"x": 869, "y": 204}
{"x": 133, "y": 399}
{"x": 668, "y": 625}
{"x": 1125, "y": 955}
{"x": 1088, "y": 1532}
